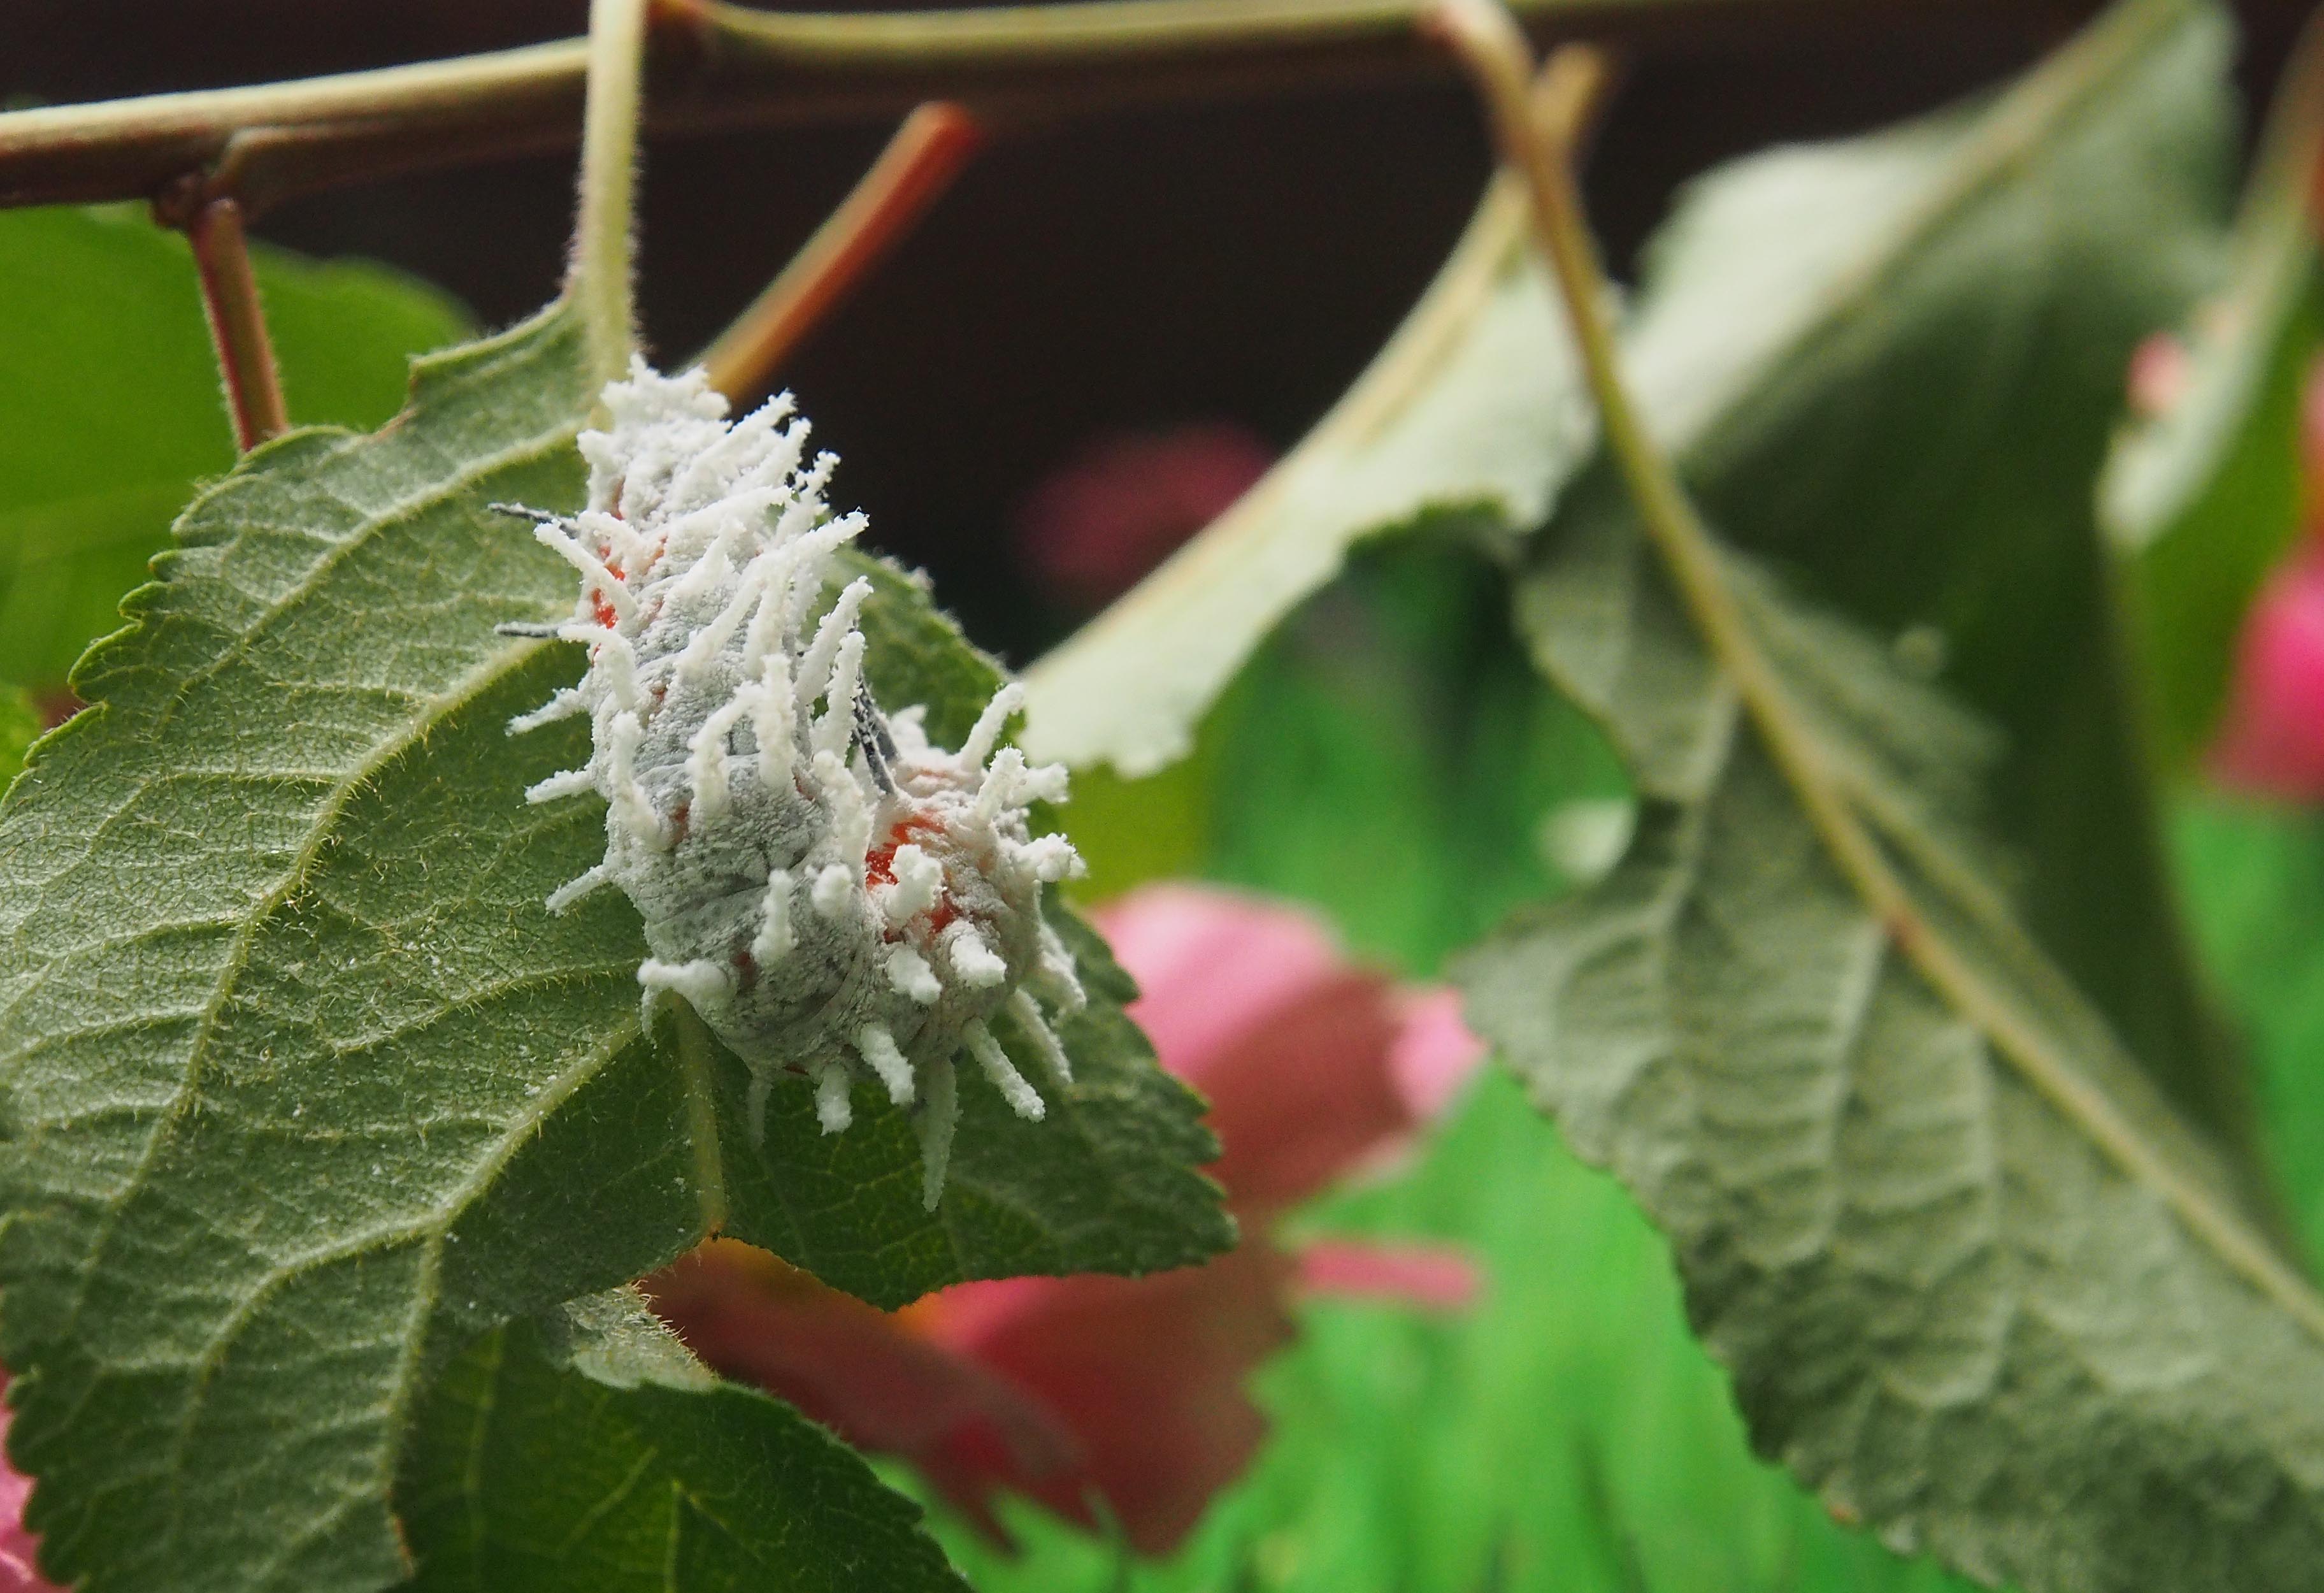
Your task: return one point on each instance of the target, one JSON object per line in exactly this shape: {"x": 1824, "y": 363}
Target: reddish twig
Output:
{"x": 245, "y": 355}
{"x": 911, "y": 173}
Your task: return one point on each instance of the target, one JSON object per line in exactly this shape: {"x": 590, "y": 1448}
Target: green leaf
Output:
{"x": 109, "y": 407}
{"x": 1979, "y": 1285}
{"x": 1103, "y": 1183}
{"x": 1869, "y": 306}
{"x": 304, "y": 1086}
{"x": 1471, "y": 416}
{"x": 2201, "y": 500}
{"x": 590, "y": 1451}
{"x": 1890, "y": 366}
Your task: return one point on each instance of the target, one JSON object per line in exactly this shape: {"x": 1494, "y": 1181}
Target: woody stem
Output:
{"x": 245, "y": 355}
{"x": 919, "y": 163}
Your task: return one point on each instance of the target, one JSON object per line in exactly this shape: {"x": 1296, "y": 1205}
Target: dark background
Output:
{"x": 1236, "y": 260}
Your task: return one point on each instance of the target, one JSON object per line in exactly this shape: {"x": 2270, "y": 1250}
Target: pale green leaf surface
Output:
{"x": 110, "y": 408}
{"x": 1472, "y": 412}
{"x": 590, "y": 1451}
{"x": 1977, "y": 1282}
{"x": 2200, "y": 500}
{"x": 304, "y": 1086}
{"x": 1938, "y": 317}
{"x": 1889, "y": 365}
{"x": 1967, "y": 1305}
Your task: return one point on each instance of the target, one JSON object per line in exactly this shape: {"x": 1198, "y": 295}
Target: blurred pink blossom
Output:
{"x": 2271, "y": 738}
{"x": 1094, "y": 527}
{"x": 18, "y": 1573}
{"x": 1128, "y": 1393}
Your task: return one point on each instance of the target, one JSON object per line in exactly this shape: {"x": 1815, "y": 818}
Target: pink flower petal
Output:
{"x": 1096, "y": 526}
{"x": 1433, "y": 1053}
{"x": 1211, "y": 965}
{"x": 1434, "y": 1277}
{"x": 2272, "y": 739}
{"x": 1056, "y": 1388}
{"x": 865, "y": 1374}
{"x": 1254, "y": 1006}
{"x": 1149, "y": 1371}
{"x": 19, "y": 1572}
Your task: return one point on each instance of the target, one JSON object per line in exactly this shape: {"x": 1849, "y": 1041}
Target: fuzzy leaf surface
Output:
{"x": 1995, "y": 1301}
{"x": 1978, "y": 1282}
{"x": 304, "y": 1087}
{"x": 1890, "y": 366}
{"x": 590, "y": 1450}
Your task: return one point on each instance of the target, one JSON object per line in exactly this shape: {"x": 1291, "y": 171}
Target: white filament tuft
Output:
{"x": 833, "y": 894}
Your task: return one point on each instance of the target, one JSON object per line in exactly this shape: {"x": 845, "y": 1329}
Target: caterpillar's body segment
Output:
{"x": 835, "y": 895}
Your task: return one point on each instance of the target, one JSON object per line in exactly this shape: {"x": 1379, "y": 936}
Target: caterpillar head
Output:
{"x": 836, "y": 896}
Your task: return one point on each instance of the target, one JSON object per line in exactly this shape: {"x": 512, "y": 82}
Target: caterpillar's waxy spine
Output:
{"x": 835, "y": 895}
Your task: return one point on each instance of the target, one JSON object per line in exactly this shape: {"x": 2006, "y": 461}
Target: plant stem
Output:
{"x": 695, "y": 1060}
{"x": 1499, "y": 60}
{"x": 720, "y": 66}
{"x": 910, "y": 175}
{"x": 245, "y": 355}
{"x": 604, "y": 230}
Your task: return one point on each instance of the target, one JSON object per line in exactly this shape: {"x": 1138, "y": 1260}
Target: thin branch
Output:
{"x": 720, "y": 66}
{"x": 1489, "y": 44}
{"x": 910, "y": 175}
{"x": 604, "y": 230}
{"x": 245, "y": 355}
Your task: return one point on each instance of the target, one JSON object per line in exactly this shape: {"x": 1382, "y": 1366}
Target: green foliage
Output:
{"x": 1890, "y": 364}
{"x": 1977, "y": 1282}
{"x": 589, "y": 1451}
{"x": 305, "y": 1088}
{"x": 109, "y": 406}
{"x": 2254, "y": 881}
{"x": 1847, "y": 1158}
{"x": 19, "y": 726}
{"x": 1395, "y": 719}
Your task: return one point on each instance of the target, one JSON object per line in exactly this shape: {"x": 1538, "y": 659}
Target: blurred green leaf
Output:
{"x": 590, "y": 1451}
{"x": 1394, "y": 760}
{"x": 305, "y": 1087}
{"x": 2200, "y": 500}
{"x": 2254, "y": 876}
{"x": 1472, "y": 414}
{"x": 19, "y": 726}
{"x": 110, "y": 409}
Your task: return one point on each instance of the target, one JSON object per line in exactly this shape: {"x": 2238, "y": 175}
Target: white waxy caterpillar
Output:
{"x": 834, "y": 895}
